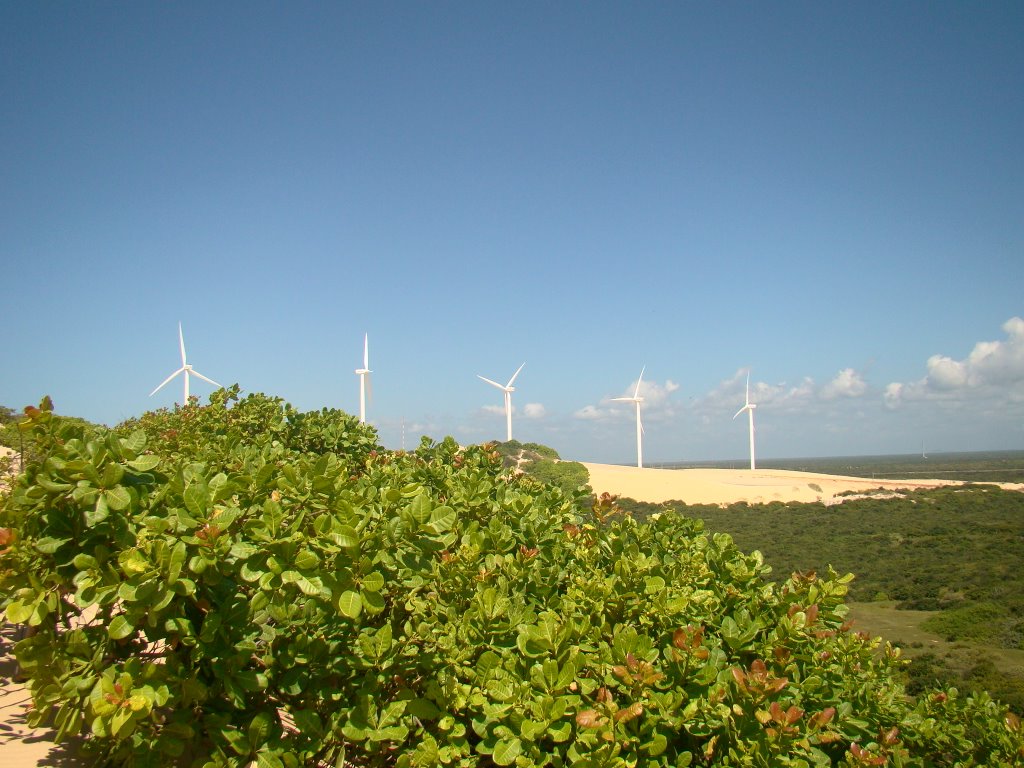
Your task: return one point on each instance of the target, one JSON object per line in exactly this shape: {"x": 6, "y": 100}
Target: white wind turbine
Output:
{"x": 508, "y": 389}
{"x": 186, "y": 369}
{"x": 749, "y": 408}
{"x": 639, "y": 426}
{"x": 365, "y": 386}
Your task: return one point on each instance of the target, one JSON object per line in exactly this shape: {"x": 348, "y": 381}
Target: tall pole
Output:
{"x": 362, "y": 398}
{"x": 639, "y": 439}
{"x": 750, "y": 414}
{"x": 508, "y": 413}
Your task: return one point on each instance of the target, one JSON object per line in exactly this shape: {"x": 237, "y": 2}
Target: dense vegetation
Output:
{"x": 955, "y": 550}
{"x": 217, "y": 585}
{"x": 544, "y": 464}
{"x": 22, "y": 441}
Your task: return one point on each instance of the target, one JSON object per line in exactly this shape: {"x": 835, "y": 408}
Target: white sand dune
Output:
{"x": 729, "y": 486}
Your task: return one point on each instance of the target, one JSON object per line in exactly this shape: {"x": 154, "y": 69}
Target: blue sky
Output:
{"x": 829, "y": 194}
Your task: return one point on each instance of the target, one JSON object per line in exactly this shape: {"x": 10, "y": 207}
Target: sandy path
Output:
{"x": 21, "y": 746}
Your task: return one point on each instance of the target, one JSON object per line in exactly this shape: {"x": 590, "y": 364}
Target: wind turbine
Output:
{"x": 749, "y": 408}
{"x": 187, "y": 369}
{"x": 364, "y": 379}
{"x": 508, "y": 389}
{"x": 639, "y": 427}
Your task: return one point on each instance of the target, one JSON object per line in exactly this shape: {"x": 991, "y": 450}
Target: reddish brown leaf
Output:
{"x": 631, "y": 712}
{"x": 590, "y": 718}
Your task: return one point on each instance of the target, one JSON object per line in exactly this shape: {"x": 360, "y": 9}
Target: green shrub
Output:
{"x": 567, "y": 475}
{"x": 210, "y": 589}
{"x": 983, "y": 622}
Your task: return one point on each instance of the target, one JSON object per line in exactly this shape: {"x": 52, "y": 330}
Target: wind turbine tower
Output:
{"x": 508, "y": 389}
{"x": 749, "y": 408}
{"x": 364, "y": 379}
{"x": 185, "y": 369}
{"x": 636, "y": 399}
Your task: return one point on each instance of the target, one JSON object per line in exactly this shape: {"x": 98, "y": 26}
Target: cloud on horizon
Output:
{"x": 847, "y": 383}
{"x": 534, "y": 411}
{"x": 656, "y": 404}
{"x": 992, "y": 369}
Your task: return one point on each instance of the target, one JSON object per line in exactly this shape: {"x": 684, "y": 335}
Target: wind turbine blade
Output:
{"x": 514, "y": 375}
{"x": 637, "y": 393}
{"x": 492, "y": 383}
{"x": 748, "y": 388}
{"x": 366, "y": 351}
{"x": 181, "y": 345}
{"x": 166, "y": 381}
{"x": 741, "y": 410}
{"x": 194, "y": 372}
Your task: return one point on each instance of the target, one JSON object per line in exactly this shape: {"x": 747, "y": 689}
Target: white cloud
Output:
{"x": 731, "y": 393}
{"x": 847, "y": 383}
{"x": 992, "y": 369}
{"x": 656, "y": 403}
{"x": 497, "y": 409}
{"x": 590, "y": 413}
{"x": 534, "y": 411}
{"x": 655, "y": 395}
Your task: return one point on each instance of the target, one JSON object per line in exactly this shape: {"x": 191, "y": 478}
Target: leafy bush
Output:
{"x": 543, "y": 451}
{"x": 208, "y": 588}
{"x": 978, "y": 621}
{"x": 542, "y": 463}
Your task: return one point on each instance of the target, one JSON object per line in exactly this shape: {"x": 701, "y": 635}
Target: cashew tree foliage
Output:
{"x": 241, "y": 583}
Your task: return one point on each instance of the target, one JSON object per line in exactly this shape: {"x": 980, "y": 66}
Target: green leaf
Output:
{"x": 84, "y": 562}
{"x": 350, "y": 604}
{"x": 506, "y": 751}
{"x": 48, "y": 545}
{"x": 135, "y": 442}
{"x": 345, "y": 536}
{"x": 372, "y": 602}
{"x": 306, "y": 560}
{"x": 268, "y": 760}
{"x": 145, "y": 462}
{"x": 259, "y": 730}
{"x": 441, "y": 519}
{"x": 117, "y": 498}
{"x": 178, "y": 555}
{"x": 424, "y": 709}
{"x": 375, "y": 646}
{"x": 656, "y": 745}
{"x": 312, "y": 586}
{"x": 120, "y": 628}
{"x": 308, "y": 722}
{"x": 653, "y": 585}
{"x": 373, "y": 582}
{"x": 426, "y": 753}
{"x": 196, "y": 499}
{"x": 18, "y": 612}
{"x": 420, "y": 508}
{"x": 112, "y": 475}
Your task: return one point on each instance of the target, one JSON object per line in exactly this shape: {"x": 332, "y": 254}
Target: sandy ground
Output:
{"x": 728, "y": 486}
{"x": 21, "y": 746}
